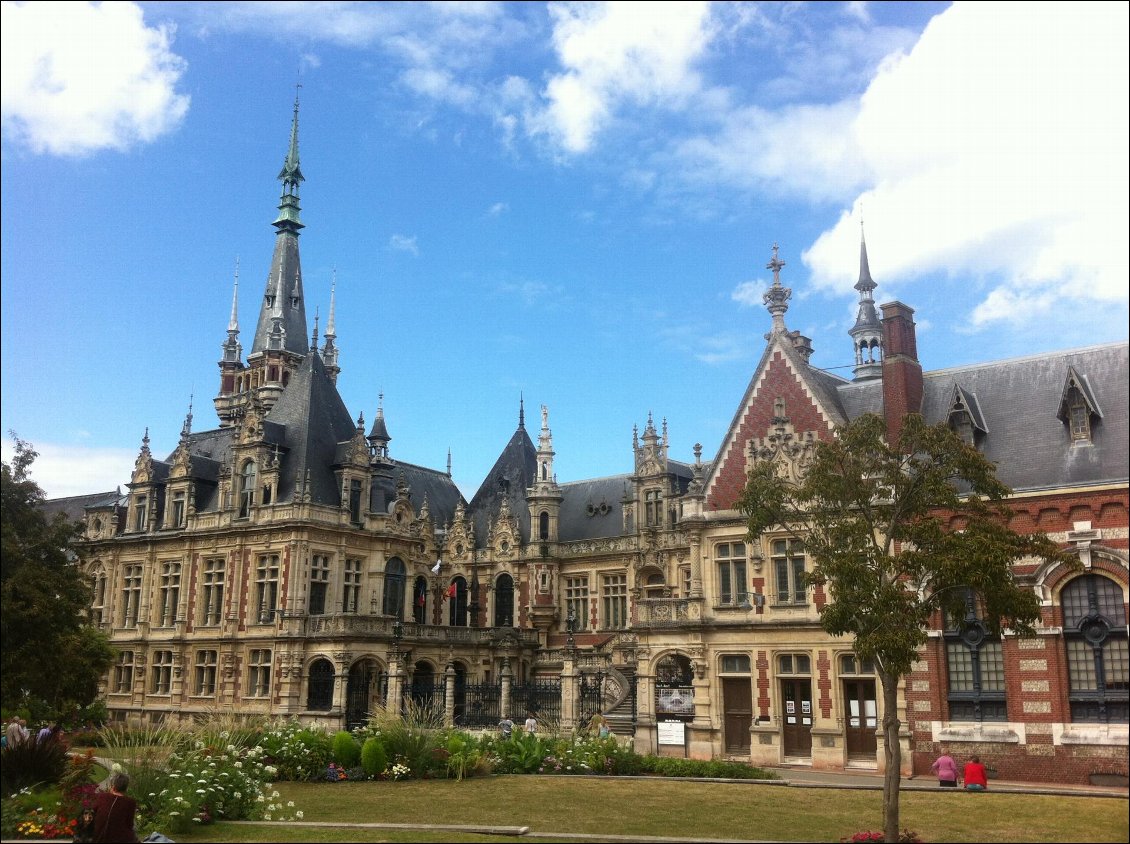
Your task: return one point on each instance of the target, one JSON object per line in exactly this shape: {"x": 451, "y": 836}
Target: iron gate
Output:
{"x": 541, "y": 697}
{"x": 480, "y": 706}
{"x": 590, "y": 697}
{"x": 428, "y": 698}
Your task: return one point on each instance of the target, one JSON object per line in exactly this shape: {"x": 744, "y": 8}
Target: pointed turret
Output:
{"x": 329, "y": 350}
{"x": 544, "y": 496}
{"x": 867, "y": 333}
{"x": 378, "y": 435}
{"x": 231, "y": 363}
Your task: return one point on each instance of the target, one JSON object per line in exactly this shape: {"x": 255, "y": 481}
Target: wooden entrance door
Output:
{"x": 861, "y": 718}
{"x": 737, "y": 706}
{"x": 797, "y": 697}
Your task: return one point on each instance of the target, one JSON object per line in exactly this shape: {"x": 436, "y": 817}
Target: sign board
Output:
{"x": 678, "y": 700}
{"x": 672, "y": 732}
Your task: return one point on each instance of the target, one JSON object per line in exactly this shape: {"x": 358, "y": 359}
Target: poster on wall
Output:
{"x": 672, "y": 732}
{"x": 678, "y": 700}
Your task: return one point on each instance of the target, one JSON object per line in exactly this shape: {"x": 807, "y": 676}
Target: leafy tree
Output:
{"x": 49, "y": 653}
{"x": 875, "y": 519}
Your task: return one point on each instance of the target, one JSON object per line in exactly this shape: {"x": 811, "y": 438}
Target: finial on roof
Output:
{"x": 521, "y": 410}
{"x": 314, "y": 336}
{"x": 776, "y": 298}
{"x": 865, "y": 283}
{"x": 233, "y": 323}
{"x": 330, "y": 322}
{"x": 186, "y": 429}
{"x": 449, "y": 461}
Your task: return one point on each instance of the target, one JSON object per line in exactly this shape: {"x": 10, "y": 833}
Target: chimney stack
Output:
{"x": 902, "y": 373}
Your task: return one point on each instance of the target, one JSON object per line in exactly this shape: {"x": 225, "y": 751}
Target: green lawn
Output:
{"x": 678, "y": 809}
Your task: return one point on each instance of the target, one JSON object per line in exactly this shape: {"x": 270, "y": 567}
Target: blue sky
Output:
{"x": 570, "y": 203}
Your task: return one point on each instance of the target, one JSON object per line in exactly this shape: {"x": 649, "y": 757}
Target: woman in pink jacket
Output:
{"x": 946, "y": 769}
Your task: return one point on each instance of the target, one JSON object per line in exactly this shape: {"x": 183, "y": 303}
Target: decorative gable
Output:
{"x": 1077, "y": 406}
{"x": 779, "y": 381}
{"x": 790, "y": 453}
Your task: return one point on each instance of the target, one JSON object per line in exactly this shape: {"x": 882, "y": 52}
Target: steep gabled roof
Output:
{"x": 812, "y": 402}
{"x": 512, "y": 474}
{"x": 315, "y": 420}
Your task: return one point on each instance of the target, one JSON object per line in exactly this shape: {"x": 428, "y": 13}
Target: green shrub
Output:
{"x": 522, "y": 753}
{"x": 346, "y": 750}
{"x": 32, "y": 762}
{"x": 298, "y": 753}
{"x": 373, "y": 757}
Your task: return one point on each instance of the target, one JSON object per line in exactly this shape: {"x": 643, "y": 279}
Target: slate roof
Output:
{"x": 74, "y": 507}
{"x": 513, "y": 473}
{"x": 436, "y": 487}
{"x": 592, "y": 509}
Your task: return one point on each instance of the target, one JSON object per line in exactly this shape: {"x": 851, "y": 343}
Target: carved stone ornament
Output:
{"x": 790, "y": 453}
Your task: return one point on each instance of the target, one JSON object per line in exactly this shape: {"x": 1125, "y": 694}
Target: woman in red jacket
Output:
{"x": 975, "y": 779}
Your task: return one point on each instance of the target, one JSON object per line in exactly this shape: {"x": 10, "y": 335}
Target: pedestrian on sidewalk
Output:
{"x": 946, "y": 769}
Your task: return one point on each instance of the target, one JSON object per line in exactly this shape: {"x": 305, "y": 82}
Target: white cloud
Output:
{"x": 749, "y": 294}
{"x": 403, "y": 243}
{"x": 66, "y": 470}
{"x": 997, "y": 149}
{"x": 80, "y": 77}
{"x": 498, "y": 208}
{"x": 614, "y": 54}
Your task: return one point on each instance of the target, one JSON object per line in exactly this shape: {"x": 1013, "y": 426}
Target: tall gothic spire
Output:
{"x": 329, "y": 350}
{"x": 867, "y": 333}
{"x": 283, "y": 298}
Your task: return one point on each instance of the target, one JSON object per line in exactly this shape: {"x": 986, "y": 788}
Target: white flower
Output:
{"x": 201, "y": 791}
{"x": 298, "y": 814}
{"x": 116, "y": 768}
{"x": 290, "y": 804}
{"x": 267, "y": 816}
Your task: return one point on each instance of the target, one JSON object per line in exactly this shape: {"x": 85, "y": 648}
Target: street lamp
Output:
{"x": 571, "y": 627}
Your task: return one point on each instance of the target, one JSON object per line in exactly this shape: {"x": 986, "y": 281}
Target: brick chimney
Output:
{"x": 902, "y": 373}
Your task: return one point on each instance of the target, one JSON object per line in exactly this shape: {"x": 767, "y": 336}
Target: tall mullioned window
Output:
{"x": 577, "y": 600}
{"x": 614, "y": 597}
{"x": 170, "y": 593}
{"x": 259, "y": 672}
{"x": 212, "y": 592}
{"x": 975, "y": 665}
{"x": 319, "y": 583}
{"x": 267, "y": 587}
{"x": 205, "y": 673}
{"x": 351, "y": 590}
{"x": 732, "y": 581}
{"x": 123, "y": 672}
{"x": 162, "y": 672}
{"x": 1098, "y": 661}
{"x": 131, "y": 595}
{"x": 788, "y": 567}
{"x": 247, "y": 489}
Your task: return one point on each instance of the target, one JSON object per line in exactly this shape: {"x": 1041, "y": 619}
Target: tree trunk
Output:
{"x": 892, "y": 753}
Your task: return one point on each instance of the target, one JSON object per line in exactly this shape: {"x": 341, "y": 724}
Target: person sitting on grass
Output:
{"x": 975, "y": 776}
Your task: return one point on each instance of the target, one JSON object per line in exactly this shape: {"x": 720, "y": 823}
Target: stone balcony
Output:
{"x": 381, "y": 627}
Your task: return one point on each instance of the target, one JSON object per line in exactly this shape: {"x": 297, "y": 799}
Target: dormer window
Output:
{"x": 1078, "y": 408}
{"x": 247, "y": 489}
{"x": 965, "y": 417}
{"x": 141, "y": 513}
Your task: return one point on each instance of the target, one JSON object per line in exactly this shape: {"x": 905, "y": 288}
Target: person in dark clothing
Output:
{"x": 114, "y": 812}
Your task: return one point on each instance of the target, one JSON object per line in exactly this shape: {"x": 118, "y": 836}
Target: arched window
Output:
{"x": 656, "y": 586}
{"x": 246, "y": 488}
{"x": 504, "y": 601}
{"x": 1098, "y": 665}
{"x": 419, "y": 600}
{"x": 395, "y": 576}
{"x": 457, "y": 603}
{"x": 975, "y": 664}
{"x": 320, "y": 689}
{"x": 543, "y": 525}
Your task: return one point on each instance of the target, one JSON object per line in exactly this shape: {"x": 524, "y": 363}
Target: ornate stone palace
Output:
{"x": 287, "y": 563}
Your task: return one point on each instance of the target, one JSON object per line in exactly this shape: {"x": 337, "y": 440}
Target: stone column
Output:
{"x": 341, "y": 680}
{"x": 507, "y": 682}
{"x": 569, "y": 690}
{"x": 395, "y": 683}
{"x": 647, "y": 736}
{"x": 449, "y": 695}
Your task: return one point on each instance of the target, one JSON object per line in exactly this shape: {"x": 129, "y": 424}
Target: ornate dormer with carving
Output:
{"x": 143, "y": 504}
{"x": 790, "y": 453}
{"x": 352, "y": 471}
{"x": 179, "y": 490}
{"x": 504, "y": 539}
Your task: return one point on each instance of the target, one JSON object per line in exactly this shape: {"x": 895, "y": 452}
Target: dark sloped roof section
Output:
{"x": 432, "y": 485}
{"x": 1030, "y": 444}
{"x": 861, "y": 397}
{"x": 592, "y": 509}
{"x": 315, "y": 420}
{"x": 512, "y": 474}
{"x": 826, "y": 387}
{"x": 74, "y": 507}
{"x": 209, "y": 450}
